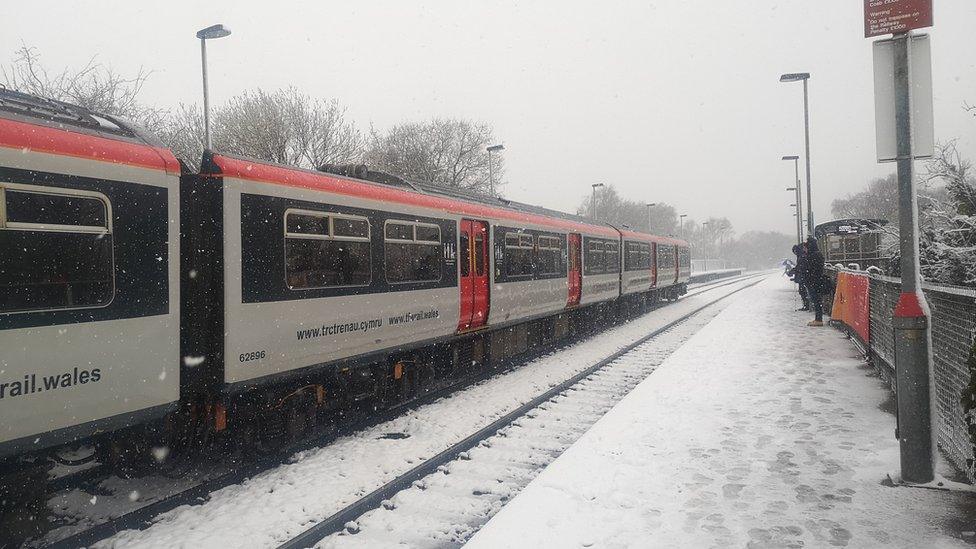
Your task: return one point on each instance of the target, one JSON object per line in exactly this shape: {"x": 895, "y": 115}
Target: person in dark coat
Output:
{"x": 797, "y": 274}
{"x": 813, "y": 276}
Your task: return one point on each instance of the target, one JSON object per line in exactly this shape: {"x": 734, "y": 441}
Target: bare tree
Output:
{"x": 182, "y": 132}
{"x": 445, "y": 151}
{"x": 286, "y": 127}
{"x": 94, "y": 86}
{"x": 660, "y": 219}
{"x": 878, "y": 201}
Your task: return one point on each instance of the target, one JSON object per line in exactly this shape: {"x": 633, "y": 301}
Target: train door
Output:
{"x": 575, "y": 270}
{"x": 653, "y": 264}
{"x": 677, "y": 264}
{"x": 473, "y": 280}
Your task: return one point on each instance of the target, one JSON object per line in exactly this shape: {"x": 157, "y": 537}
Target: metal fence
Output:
{"x": 953, "y": 326}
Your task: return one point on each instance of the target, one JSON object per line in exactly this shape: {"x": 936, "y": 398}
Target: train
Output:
{"x": 147, "y": 305}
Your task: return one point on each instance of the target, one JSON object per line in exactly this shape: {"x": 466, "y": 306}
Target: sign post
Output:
{"x": 911, "y": 324}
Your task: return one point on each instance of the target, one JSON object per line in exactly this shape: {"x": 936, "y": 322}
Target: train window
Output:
{"x": 57, "y": 249}
{"x": 412, "y": 252}
{"x": 612, "y": 257}
{"x": 399, "y": 231}
{"x": 307, "y": 224}
{"x": 465, "y": 257}
{"x": 479, "y": 253}
{"x": 325, "y": 250}
{"x": 518, "y": 255}
{"x": 666, "y": 259}
{"x": 549, "y": 259}
{"x": 684, "y": 259}
{"x": 637, "y": 256}
{"x": 593, "y": 258}
{"x": 428, "y": 233}
{"x": 349, "y": 227}
{"x": 54, "y": 209}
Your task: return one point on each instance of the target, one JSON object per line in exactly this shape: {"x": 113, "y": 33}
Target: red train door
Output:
{"x": 575, "y": 282}
{"x": 653, "y": 264}
{"x": 473, "y": 271}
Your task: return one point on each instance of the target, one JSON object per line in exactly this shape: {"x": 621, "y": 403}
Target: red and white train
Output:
{"x": 143, "y": 304}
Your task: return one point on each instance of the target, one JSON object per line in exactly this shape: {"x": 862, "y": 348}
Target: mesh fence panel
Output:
{"x": 953, "y": 325}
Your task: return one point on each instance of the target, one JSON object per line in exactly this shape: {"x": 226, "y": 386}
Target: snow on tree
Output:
{"x": 948, "y": 228}
{"x": 446, "y": 151}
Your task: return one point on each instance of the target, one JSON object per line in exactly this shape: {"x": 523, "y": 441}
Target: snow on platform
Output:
{"x": 758, "y": 432}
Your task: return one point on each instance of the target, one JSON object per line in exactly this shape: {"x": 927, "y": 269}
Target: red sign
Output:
{"x": 894, "y": 16}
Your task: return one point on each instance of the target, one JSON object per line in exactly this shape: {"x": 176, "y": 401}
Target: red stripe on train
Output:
{"x": 31, "y": 137}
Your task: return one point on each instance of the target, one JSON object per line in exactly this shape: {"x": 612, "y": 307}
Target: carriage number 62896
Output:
{"x": 256, "y": 355}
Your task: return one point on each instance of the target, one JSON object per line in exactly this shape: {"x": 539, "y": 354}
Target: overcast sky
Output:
{"x": 670, "y": 101}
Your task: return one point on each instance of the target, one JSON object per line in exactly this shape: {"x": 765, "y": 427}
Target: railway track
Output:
{"x": 142, "y": 516}
{"x": 448, "y": 497}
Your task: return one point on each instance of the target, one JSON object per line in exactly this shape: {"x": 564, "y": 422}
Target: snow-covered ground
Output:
{"x": 279, "y": 504}
{"x": 758, "y": 432}
{"x": 444, "y": 509}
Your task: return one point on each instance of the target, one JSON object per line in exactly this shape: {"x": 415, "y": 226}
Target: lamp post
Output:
{"x": 210, "y": 33}
{"x": 681, "y": 225}
{"x": 593, "y": 200}
{"x": 491, "y": 177}
{"x": 799, "y": 222}
{"x": 704, "y": 253}
{"x": 799, "y": 195}
{"x": 804, "y": 76}
{"x": 649, "y": 206}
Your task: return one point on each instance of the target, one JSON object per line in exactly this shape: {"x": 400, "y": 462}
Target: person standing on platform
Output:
{"x": 813, "y": 278}
{"x": 797, "y": 273}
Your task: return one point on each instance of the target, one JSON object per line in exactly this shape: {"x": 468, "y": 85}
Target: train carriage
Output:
{"x": 89, "y": 289}
{"x": 317, "y": 268}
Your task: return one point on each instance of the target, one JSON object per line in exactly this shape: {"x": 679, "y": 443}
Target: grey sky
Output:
{"x": 670, "y": 101}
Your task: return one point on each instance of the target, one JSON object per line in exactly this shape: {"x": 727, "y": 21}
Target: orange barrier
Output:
{"x": 852, "y": 306}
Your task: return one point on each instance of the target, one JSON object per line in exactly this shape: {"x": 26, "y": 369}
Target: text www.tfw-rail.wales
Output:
{"x": 365, "y": 325}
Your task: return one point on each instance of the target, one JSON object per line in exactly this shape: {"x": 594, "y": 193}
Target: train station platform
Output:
{"x": 758, "y": 432}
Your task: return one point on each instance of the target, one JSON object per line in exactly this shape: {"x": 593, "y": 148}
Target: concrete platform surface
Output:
{"x": 758, "y": 432}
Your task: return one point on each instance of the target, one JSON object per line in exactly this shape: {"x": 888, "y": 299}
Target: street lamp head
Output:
{"x": 792, "y": 205}
{"x": 595, "y": 185}
{"x": 791, "y": 157}
{"x": 794, "y": 76}
{"x": 651, "y": 204}
{"x": 213, "y": 32}
{"x": 496, "y": 148}
{"x": 791, "y": 188}
{"x": 683, "y": 215}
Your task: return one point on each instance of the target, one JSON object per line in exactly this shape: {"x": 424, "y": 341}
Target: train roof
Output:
{"x": 45, "y": 125}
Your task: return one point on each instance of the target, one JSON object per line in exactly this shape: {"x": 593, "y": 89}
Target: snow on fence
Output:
{"x": 953, "y": 324}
